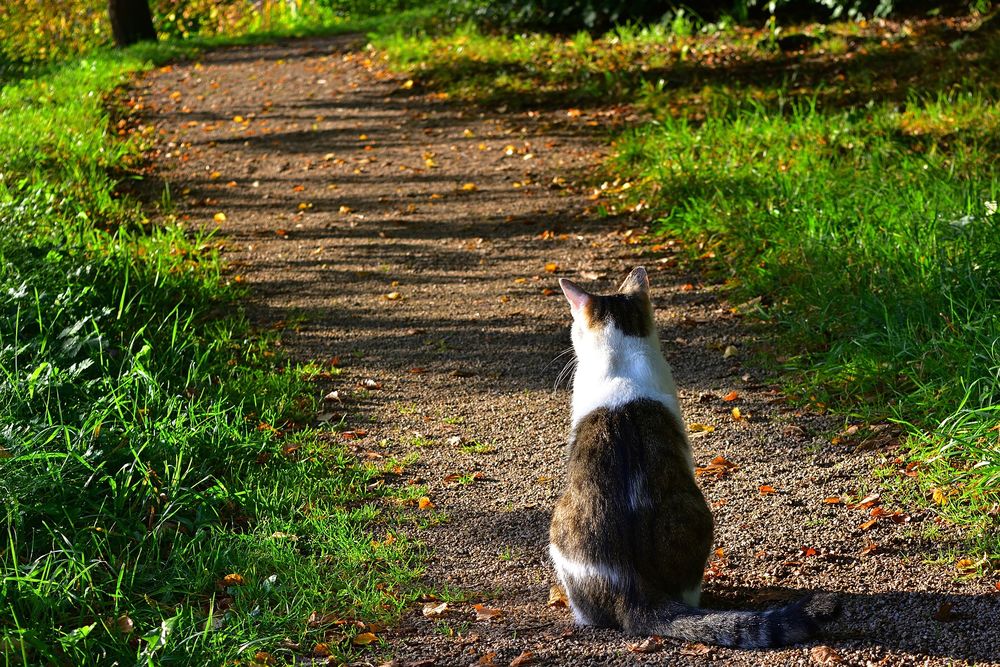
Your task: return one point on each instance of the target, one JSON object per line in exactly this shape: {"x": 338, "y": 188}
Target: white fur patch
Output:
{"x": 614, "y": 369}
{"x": 572, "y": 570}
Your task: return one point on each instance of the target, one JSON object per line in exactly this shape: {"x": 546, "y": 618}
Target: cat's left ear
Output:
{"x": 576, "y": 295}
{"x": 636, "y": 283}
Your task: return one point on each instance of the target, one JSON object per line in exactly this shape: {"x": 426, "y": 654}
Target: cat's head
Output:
{"x": 600, "y": 319}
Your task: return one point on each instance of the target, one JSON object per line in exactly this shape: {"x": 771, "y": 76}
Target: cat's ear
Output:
{"x": 577, "y": 297}
{"x": 636, "y": 283}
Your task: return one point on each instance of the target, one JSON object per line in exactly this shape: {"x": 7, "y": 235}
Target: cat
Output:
{"x": 631, "y": 533}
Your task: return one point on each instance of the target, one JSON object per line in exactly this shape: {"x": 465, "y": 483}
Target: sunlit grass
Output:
{"x": 149, "y": 444}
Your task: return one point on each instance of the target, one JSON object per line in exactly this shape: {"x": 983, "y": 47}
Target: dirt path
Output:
{"x": 343, "y": 190}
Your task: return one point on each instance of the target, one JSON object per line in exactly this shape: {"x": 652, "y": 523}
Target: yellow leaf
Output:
{"x": 468, "y": 133}
{"x": 737, "y": 415}
{"x": 940, "y": 497}
{"x": 220, "y": 217}
{"x": 695, "y": 427}
{"x": 215, "y": 175}
{"x": 344, "y": 210}
{"x": 408, "y": 84}
{"x": 232, "y": 580}
{"x": 551, "y": 267}
{"x": 425, "y": 503}
{"x": 237, "y": 119}
{"x": 469, "y": 187}
{"x": 393, "y": 296}
{"x": 364, "y": 639}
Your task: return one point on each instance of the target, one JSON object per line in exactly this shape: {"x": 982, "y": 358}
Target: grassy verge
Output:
{"x": 165, "y": 494}
{"x": 842, "y": 180}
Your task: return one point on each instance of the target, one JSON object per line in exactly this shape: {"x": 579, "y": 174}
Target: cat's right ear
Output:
{"x": 576, "y": 296}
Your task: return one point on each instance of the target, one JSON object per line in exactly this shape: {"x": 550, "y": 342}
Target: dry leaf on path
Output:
{"x": 767, "y": 490}
{"x": 484, "y": 613}
{"x": 526, "y": 658}
{"x": 650, "y": 645}
{"x": 425, "y": 503}
{"x": 731, "y": 396}
{"x": 719, "y": 467}
{"x": 432, "y": 610}
{"x": 944, "y": 613}
{"x": 824, "y": 655}
{"x": 695, "y": 649}
{"x": 557, "y": 597}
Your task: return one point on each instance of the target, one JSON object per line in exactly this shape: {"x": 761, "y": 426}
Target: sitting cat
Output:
{"x": 631, "y": 533}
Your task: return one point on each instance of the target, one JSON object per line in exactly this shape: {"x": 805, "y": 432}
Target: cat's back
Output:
{"x": 631, "y": 500}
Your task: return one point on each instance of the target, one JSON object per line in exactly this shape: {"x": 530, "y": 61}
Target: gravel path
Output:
{"x": 410, "y": 237}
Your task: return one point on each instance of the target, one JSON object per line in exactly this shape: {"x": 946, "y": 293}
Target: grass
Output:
{"x": 846, "y": 194}
{"x": 165, "y": 497}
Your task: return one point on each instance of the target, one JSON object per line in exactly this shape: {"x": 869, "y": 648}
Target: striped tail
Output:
{"x": 781, "y": 626}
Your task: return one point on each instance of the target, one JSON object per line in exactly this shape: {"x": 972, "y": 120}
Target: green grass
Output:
{"x": 846, "y": 196}
{"x": 150, "y": 443}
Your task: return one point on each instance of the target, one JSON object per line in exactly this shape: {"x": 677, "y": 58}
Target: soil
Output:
{"x": 420, "y": 241}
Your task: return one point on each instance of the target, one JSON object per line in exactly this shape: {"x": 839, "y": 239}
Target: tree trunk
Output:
{"x": 131, "y": 21}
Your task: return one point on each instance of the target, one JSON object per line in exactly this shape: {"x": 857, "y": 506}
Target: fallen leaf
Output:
{"x": 868, "y": 524}
{"x": 869, "y": 501}
{"x": 125, "y": 624}
{"x": 731, "y": 396}
{"x": 824, "y": 655}
{"x": 730, "y": 351}
{"x": 487, "y": 658}
{"x": 832, "y": 500}
{"x": 737, "y": 415}
{"x": 364, "y": 639}
{"x": 432, "y": 610}
{"x": 649, "y": 645}
{"x": 719, "y": 467}
{"x": 944, "y": 613}
{"x": 322, "y": 650}
{"x": 767, "y": 490}
{"x": 806, "y": 552}
{"x": 526, "y": 658}
{"x": 695, "y": 427}
{"x": 333, "y": 396}
{"x": 393, "y": 296}
{"x": 551, "y": 267}
{"x": 369, "y": 383}
{"x": 232, "y": 580}
{"x": 966, "y": 566}
{"x": 557, "y": 597}
{"x": 219, "y": 217}
{"x": 695, "y": 649}
{"x": 425, "y": 503}
{"x": 264, "y": 658}
{"x": 344, "y": 210}
{"x": 871, "y": 549}
{"x": 939, "y": 496}
{"x": 484, "y": 613}
{"x": 469, "y": 187}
